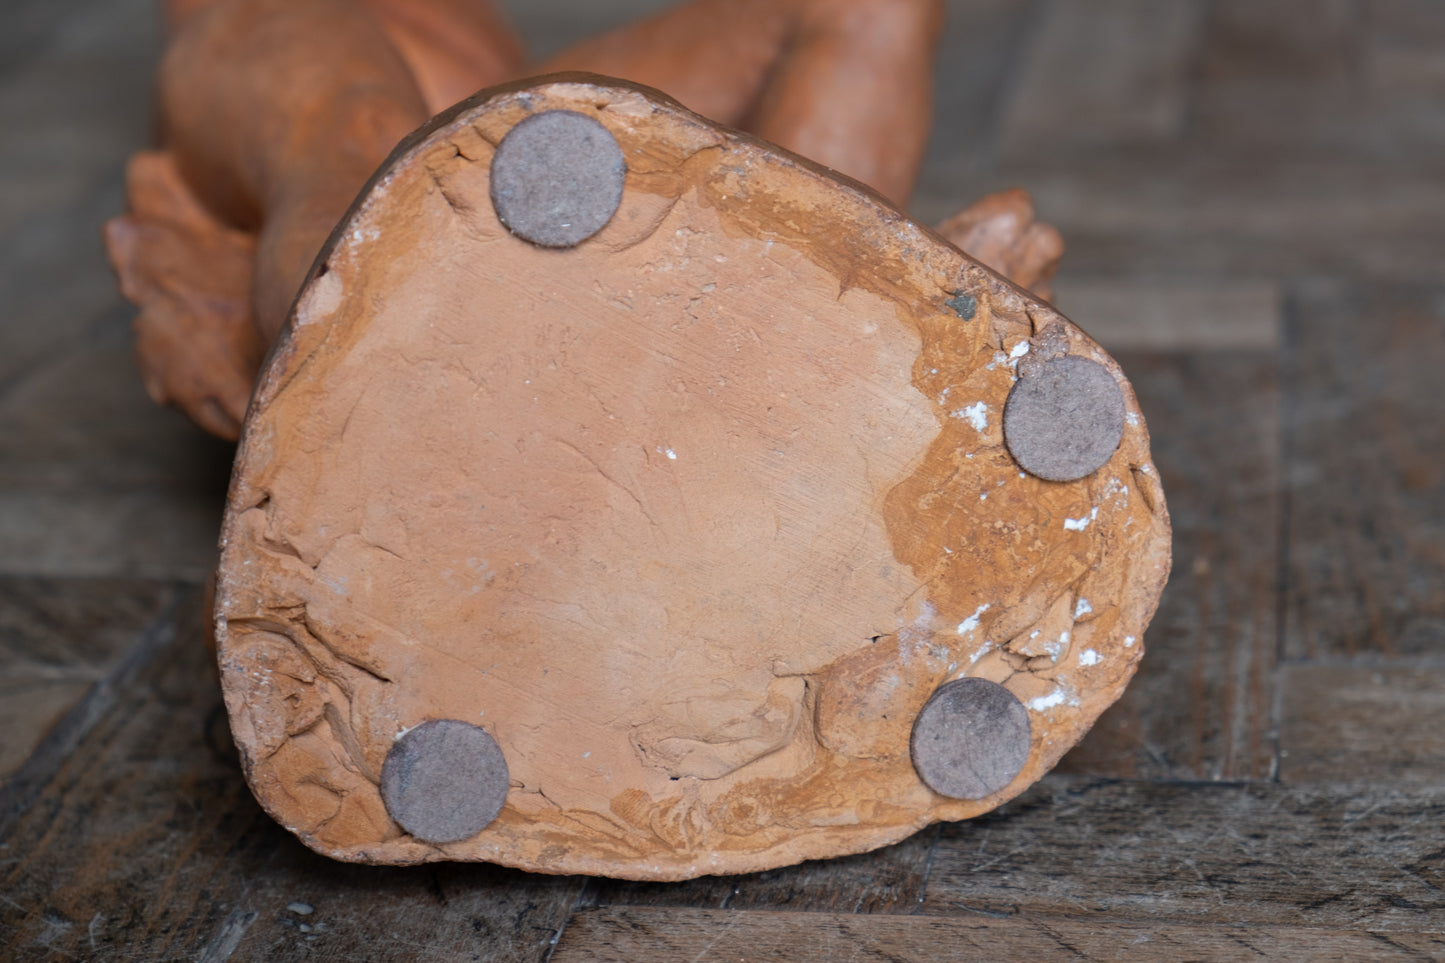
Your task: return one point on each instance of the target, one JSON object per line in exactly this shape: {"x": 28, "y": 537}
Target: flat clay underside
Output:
{"x": 692, "y": 518}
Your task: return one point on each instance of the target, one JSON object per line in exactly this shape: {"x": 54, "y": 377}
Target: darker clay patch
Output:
{"x": 963, "y": 304}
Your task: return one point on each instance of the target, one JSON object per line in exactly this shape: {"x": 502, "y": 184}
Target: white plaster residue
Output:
{"x": 1082, "y": 608}
{"x": 1056, "y": 647}
{"x": 998, "y": 358}
{"x": 1055, "y": 698}
{"x": 358, "y": 236}
{"x": 913, "y": 637}
{"x": 321, "y": 298}
{"x": 1019, "y": 350}
{"x": 1129, "y": 641}
{"x": 983, "y": 497}
{"x": 982, "y": 651}
{"x": 971, "y": 623}
{"x": 671, "y": 455}
{"x": 1089, "y": 657}
{"x": 975, "y": 414}
{"x": 1079, "y": 524}
{"x": 1132, "y": 419}
{"x": 944, "y": 395}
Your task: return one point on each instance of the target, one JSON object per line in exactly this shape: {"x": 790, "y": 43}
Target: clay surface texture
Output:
{"x": 688, "y": 514}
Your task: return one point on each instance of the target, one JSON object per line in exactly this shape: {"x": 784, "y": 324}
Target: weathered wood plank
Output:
{"x": 1311, "y": 129}
{"x": 1293, "y": 78}
{"x": 1363, "y": 724}
{"x": 1367, "y": 480}
{"x": 58, "y": 638}
{"x": 81, "y": 114}
{"x": 1173, "y": 313}
{"x": 1201, "y": 705}
{"x": 1403, "y": 68}
{"x": 75, "y": 86}
{"x": 161, "y": 532}
{"x": 54, "y": 280}
{"x": 1281, "y": 76}
{"x": 628, "y": 934}
{"x": 982, "y": 44}
{"x": 95, "y": 479}
{"x": 888, "y": 880}
{"x": 146, "y": 844}
{"x": 1111, "y": 73}
{"x": 1211, "y": 213}
{"x": 1256, "y": 855}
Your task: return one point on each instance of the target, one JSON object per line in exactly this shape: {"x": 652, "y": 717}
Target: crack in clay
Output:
{"x": 314, "y": 630}
{"x": 618, "y": 832}
{"x": 636, "y": 500}
{"x": 349, "y": 744}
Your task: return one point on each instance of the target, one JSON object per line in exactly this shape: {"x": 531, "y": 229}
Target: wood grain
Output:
{"x": 628, "y": 934}
{"x": 887, "y": 880}
{"x": 58, "y": 639}
{"x": 146, "y": 844}
{"x": 1225, "y": 854}
{"x": 1201, "y": 705}
{"x": 1103, "y": 74}
{"x": 1367, "y": 533}
{"x": 983, "y": 44}
{"x": 1381, "y": 724}
{"x": 1171, "y": 313}
{"x": 1218, "y": 212}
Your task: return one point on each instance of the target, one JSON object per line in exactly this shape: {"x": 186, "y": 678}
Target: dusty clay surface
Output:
{"x": 691, "y": 518}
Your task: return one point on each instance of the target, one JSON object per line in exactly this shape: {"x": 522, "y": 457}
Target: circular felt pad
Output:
{"x": 557, "y": 178}
{"x": 444, "y": 781}
{"x": 1064, "y": 420}
{"x": 971, "y": 739}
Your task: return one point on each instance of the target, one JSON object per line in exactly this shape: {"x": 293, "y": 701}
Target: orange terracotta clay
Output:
{"x": 690, "y": 518}
{"x": 624, "y": 494}
{"x": 275, "y": 112}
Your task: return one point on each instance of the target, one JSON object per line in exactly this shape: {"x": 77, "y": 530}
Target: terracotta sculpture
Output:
{"x": 625, "y": 495}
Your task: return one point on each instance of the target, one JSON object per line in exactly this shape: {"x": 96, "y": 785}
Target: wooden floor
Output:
{"x": 1254, "y": 196}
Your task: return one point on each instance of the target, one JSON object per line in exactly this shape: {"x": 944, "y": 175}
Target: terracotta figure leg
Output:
{"x": 847, "y": 83}
{"x": 276, "y": 112}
